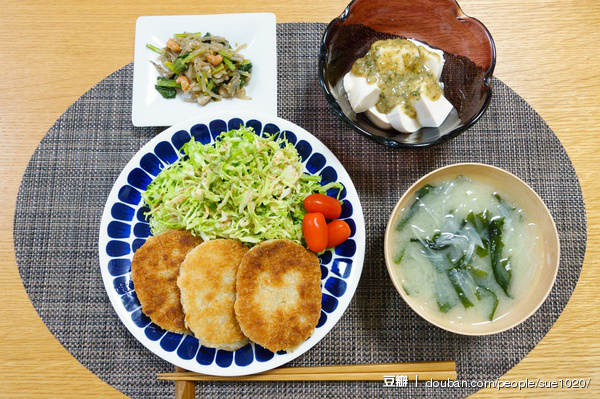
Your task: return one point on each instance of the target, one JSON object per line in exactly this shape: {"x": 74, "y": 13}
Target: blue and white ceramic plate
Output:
{"x": 124, "y": 229}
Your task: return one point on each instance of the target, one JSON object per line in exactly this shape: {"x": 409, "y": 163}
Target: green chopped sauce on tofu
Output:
{"x": 398, "y": 68}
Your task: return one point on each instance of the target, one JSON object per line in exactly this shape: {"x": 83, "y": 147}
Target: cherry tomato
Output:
{"x": 314, "y": 228}
{"x": 338, "y": 231}
{"x": 328, "y": 206}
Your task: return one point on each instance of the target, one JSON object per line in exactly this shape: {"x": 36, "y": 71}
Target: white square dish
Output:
{"x": 256, "y": 30}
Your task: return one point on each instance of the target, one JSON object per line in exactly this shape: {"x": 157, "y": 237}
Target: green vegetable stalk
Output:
{"x": 229, "y": 64}
{"x": 218, "y": 68}
{"x": 167, "y": 87}
{"x": 187, "y": 34}
{"x": 210, "y": 85}
{"x": 166, "y": 82}
{"x": 225, "y": 53}
{"x": 154, "y": 48}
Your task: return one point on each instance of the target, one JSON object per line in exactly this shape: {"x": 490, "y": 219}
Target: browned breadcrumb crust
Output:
{"x": 207, "y": 281}
{"x": 154, "y": 271}
{"x": 278, "y": 294}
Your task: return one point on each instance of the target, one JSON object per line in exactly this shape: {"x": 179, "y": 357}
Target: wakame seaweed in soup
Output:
{"x": 464, "y": 250}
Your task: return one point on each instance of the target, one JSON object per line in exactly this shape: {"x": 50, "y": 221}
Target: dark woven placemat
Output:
{"x": 68, "y": 179}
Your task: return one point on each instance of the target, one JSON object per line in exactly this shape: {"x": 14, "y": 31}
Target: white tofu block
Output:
{"x": 348, "y": 83}
{"x": 361, "y": 94}
{"x": 433, "y": 63}
{"x": 435, "y": 66}
{"x": 364, "y": 96}
{"x": 432, "y": 113}
{"x": 380, "y": 120}
{"x": 402, "y": 122}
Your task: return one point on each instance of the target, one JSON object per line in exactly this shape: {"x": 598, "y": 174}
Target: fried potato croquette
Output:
{"x": 278, "y": 294}
{"x": 154, "y": 271}
{"x": 207, "y": 281}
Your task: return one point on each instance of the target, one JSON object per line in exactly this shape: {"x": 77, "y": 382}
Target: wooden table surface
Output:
{"x": 54, "y": 51}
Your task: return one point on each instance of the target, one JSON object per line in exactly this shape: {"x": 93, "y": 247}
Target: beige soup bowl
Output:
{"x": 536, "y": 211}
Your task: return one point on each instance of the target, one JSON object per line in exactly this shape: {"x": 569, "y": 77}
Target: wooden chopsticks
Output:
{"x": 363, "y": 372}
{"x": 184, "y": 389}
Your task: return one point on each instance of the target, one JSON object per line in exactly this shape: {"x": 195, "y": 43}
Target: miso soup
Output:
{"x": 465, "y": 251}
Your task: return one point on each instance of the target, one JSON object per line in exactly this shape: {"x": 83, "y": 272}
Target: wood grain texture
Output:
{"x": 184, "y": 389}
{"x": 437, "y": 371}
{"x": 53, "y": 51}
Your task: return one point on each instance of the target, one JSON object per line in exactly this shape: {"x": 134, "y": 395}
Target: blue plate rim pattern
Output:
{"x": 338, "y": 281}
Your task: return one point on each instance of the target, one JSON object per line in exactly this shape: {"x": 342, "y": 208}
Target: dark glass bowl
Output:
{"x": 468, "y": 48}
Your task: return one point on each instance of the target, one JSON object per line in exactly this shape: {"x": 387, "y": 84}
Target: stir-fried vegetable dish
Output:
{"x": 204, "y": 66}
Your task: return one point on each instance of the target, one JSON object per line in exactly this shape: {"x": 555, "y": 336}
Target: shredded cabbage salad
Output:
{"x": 243, "y": 187}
